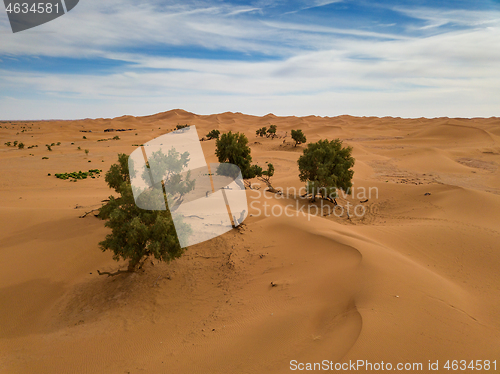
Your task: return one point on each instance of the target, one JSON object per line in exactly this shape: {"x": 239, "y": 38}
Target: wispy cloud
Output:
{"x": 311, "y": 68}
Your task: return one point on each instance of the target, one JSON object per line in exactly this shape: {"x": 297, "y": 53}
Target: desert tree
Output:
{"x": 261, "y": 132}
{"x": 271, "y": 131}
{"x": 136, "y": 233}
{"x": 298, "y": 136}
{"x": 326, "y": 166}
{"x": 214, "y": 134}
{"x": 20, "y": 145}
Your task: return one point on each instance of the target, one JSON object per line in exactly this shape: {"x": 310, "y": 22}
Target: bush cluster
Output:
{"x": 92, "y": 173}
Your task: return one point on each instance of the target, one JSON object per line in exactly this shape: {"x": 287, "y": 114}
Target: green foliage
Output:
{"x": 271, "y": 131}
{"x": 214, "y": 134}
{"x": 261, "y": 132}
{"x": 326, "y": 166}
{"x": 298, "y": 136}
{"x": 136, "y": 233}
{"x": 8, "y": 144}
{"x": 79, "y": 148}
{"x": 84, "y": 137}
{"x": 234, "y": 148}
{"x": 53, "y": 144}
{"x": 48, "y": 147}
{"x": 15, "y": 143}
{"x": 116, "y": 137}
{"x": 58, "y": 143}
{"x": 20, "y": 145}
{"x": 179, "y": 127}
{"x": 79, "y": 174}
{"x": 86, "y": 151}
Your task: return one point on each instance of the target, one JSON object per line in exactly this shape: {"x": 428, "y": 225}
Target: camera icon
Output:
{"x": 171, "y": 173}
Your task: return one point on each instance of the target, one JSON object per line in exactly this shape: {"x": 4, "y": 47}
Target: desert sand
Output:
{"x": 415, "y": 279}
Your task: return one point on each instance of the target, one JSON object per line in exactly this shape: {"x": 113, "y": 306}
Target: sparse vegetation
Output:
{"x": 45, "y": 158}
{"x": 8, "y": 144}
{"x": 271, "y": 131}
{"x": 298, "y": 136}
{"x": 48, "y": 147}
{"x": 84, "y": 137}
{"x": 214, "y": 134}
{"x": 326, "y": 166}
{"x": 116, "y": 137}
{"x": 20, "y": 145}
{"x": 261, "y": 132}
{"x": 87, "y": 152}
{"x": 93, "y": 173}
{"x": 179, "y": 127}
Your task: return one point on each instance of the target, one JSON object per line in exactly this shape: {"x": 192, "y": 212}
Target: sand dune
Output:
{"x": 413, "y": 279}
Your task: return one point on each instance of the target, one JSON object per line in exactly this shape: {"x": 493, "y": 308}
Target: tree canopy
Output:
{"x": 298, "y": 136}
{"x": 326, "y": 166}
{"x": 137, "y": 233}
{"x": 233, "y": 148}
{"x": 271, "y": 131}
{"x": 214, "y": 134}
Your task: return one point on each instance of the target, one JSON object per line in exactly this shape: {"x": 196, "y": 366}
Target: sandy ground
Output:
{"x": 415, "y": 279}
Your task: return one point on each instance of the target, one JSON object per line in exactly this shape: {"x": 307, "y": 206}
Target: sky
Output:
{"x": 399, "y": 58}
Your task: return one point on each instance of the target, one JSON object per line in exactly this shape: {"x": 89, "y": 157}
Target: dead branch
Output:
{"x": 87, "y": 213}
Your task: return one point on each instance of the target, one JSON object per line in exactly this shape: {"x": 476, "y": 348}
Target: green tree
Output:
{"x": 326, "y": 166}
{"x": 15, "y": 143}
{"x": 8, "y": 144}
{"x": 214, "y": 134}
{"x": 271, "y": 131}
{"x": 180, "y": 127}
{"x": 20, "y": 145}
{"x": 267, "y": 174}
{"x": 48, "y": 147}
{"x": 233, "y": 148}
{"x": 298, "y": 136}
{"x": 137, "y": 233}
{"x": 261, "y": 132}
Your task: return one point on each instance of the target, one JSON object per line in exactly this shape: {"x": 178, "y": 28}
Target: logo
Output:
{"x": 205, "y": 200}
{"x": 26, "y": 14}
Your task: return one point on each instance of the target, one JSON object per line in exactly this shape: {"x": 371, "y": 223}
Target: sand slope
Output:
{"x": 414, "y": 279}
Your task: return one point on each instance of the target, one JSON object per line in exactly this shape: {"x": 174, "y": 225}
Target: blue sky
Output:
{"x": 407, "y": 58}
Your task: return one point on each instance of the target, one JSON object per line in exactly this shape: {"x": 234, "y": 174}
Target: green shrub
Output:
{"x": 116, "y": 137}
{"x": 20, "y": 145}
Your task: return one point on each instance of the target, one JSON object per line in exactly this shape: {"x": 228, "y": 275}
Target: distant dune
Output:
{"x": 415, "y": 278}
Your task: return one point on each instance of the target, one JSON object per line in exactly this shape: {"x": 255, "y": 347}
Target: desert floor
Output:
{"x": 415, "y": 279}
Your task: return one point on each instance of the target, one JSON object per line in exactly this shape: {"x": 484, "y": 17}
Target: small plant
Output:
{"x": 84, "y": 137}
{"x": 179, "y": 127}
{"x": 49, "y": 147}
{"x": 58, "y": 143}
{"x": 72, "y": 143}
{"x": 298, "y": 136}
{"x": 15, "y": 143}
{"x": 214, "y": 134}
{"x": 79, "y": 148}
{"x": 261, "y": 132}
{"x": 92, "y": 173}
{"x": 45, "y": 158}
{"x": 87, "y": 152}
{"x": 20, "y": 145}
{"x": 8, "y": 144}
{"x": 53, "y": 144}
{"x": 116, "y": 137}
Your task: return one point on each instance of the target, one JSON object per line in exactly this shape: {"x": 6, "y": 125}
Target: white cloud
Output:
{"x": 321, "y": 70}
